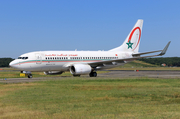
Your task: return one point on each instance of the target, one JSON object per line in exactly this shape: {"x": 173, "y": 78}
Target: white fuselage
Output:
{"x": 61, "y": 60}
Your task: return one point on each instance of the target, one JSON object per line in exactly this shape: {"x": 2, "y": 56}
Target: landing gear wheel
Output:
{"x": 93, "y": 74}
{"x": 30, "y": 76}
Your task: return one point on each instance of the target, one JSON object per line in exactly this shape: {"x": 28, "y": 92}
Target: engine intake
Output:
{"x": 78, "y": 69}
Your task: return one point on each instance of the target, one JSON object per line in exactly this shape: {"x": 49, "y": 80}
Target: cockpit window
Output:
{"x": 22, "y": 57}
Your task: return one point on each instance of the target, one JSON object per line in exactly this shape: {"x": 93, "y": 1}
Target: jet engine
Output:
{"x": 78, "y": 69}
{"x": 53, "y": 72}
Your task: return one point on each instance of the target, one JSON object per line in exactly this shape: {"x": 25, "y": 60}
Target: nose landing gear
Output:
{"x": 26, "y": 73}
{"x": 30, "y": 76}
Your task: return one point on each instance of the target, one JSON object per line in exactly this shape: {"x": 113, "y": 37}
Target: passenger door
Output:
{"x": 38, "y": 58}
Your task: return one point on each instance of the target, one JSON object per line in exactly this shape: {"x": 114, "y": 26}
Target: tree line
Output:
{"x": 4, "y": 62}
{"x": 169, "y": 61}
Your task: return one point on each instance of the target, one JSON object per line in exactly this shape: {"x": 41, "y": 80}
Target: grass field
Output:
{"x": 92, "y": 98}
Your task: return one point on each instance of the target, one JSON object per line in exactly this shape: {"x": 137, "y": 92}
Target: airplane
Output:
{"x": 84, "y": 62}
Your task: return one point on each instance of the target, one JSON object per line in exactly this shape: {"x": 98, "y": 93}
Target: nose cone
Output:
{"x": 12, "y": 64}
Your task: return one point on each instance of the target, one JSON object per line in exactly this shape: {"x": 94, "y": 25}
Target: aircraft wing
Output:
{"x": 162, "y": 53}
{"x": 138, "y": 54}
{"x": 135, "y": 56}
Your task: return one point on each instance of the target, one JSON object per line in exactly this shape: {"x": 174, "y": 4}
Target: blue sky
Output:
{"x": 39, "y": 25}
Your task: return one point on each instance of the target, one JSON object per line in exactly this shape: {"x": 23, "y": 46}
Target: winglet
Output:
{"x": 165, "y": 49}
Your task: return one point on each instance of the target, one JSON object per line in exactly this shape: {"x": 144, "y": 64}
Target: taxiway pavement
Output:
{"x": 112, "y": 74}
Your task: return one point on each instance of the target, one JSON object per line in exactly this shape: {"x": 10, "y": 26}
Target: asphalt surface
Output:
{"x": 148, "y": 74}
{"x": 111, "y": 73}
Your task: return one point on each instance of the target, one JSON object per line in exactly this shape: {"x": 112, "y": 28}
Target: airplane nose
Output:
{"x": 11, "y": 64}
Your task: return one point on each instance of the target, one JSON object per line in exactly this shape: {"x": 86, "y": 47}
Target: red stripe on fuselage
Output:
{"x": 57, "y": 61}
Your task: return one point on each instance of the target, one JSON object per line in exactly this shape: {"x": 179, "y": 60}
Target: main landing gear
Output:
{"x": 26, "y": 73}
{"x": 93, "y": 74}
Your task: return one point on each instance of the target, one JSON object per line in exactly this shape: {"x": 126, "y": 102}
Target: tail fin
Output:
{"x": 131, "y": 44}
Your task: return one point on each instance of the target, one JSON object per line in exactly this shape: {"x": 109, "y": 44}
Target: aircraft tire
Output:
{"x": 30, "y": 76}
{"x": 93, "y": 74}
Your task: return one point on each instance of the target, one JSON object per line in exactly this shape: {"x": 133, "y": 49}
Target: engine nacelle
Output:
{"x": 53, "y": 72}
{"x": 78, "y": 69}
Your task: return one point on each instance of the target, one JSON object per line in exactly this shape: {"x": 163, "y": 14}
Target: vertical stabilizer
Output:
{"x": 131, "y": 44}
